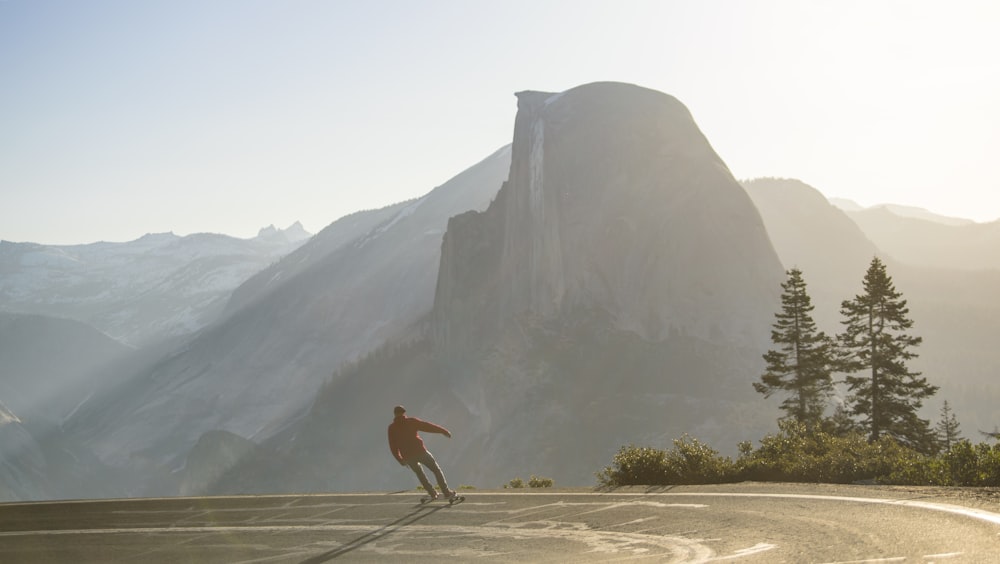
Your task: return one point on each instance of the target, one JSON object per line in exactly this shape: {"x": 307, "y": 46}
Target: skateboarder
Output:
{"x": 408, "y": 449}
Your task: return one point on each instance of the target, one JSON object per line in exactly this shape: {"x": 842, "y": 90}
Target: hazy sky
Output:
{"x": 119, "y": 118}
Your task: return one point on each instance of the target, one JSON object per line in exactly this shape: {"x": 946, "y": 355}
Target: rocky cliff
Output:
{"x": 615, "y": 200}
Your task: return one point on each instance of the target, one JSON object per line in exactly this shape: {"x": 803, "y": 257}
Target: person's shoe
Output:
{"x": 433, "y": 495}
{"x": 450, "y": 494}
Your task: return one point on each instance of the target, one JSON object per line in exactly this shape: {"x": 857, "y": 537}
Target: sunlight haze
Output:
{"x": 122, "y": 118}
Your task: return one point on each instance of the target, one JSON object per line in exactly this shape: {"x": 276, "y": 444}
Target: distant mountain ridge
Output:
{"x": 901, "y": 211}
{"x": 922, "y": 241}
{"x": 912, "y": 235}
{"x": 158, "y": 286}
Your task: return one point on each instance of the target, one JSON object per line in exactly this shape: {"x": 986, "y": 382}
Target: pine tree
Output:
{"x": 886, "y": 395}
{"x": 803, "y": 363}
{"x": 840, "y": 423}
{"x": 947, "y": 428}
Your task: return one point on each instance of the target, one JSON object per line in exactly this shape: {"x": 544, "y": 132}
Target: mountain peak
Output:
{"x": 295, "y": 232}
{"x": 616, "y": 201}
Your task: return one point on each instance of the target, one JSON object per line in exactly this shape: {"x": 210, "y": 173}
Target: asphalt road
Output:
{"x": 737, "y": 523}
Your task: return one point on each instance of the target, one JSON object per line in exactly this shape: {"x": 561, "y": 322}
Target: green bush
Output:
{"x": 693, "y": 462}
{"x": 964, "y": 464}
{"x": 516, "y": 483}
{"x": 798, "y": 455}
{"x": 540, "y": 482}
{"x": 533, "y": 482}
{"x": 634, "y": 465}
{"x": 689, "y": 462}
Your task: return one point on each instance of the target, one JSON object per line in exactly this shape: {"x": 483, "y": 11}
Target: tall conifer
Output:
{"x": 884, "y": 395}
{"x": 801, "y": 366}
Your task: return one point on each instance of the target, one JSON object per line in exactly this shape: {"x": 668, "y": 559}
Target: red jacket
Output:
{"x": 404, "y": 442}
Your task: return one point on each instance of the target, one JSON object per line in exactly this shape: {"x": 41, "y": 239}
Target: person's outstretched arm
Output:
{"x": 428, "y": 427}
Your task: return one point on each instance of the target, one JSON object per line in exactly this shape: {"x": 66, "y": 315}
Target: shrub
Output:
{"x": 516, "y": 483}
{"x": 533, "y": 482}
{"x": 964, "y": 464}
{"x": 693, "y": 462}
{"x": 689, "y": 462}
{"x": 539, "y": 482}
{"x": 634, "y": 465}
{"x": 796, "y": 454}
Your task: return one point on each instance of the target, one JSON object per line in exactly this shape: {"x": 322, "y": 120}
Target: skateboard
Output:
{"x": 450, "y": 500}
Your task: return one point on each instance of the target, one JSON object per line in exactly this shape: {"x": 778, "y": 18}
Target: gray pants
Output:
{"x": 427, "y": 460}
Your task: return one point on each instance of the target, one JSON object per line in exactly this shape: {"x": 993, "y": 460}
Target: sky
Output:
{"x": 120, "y": 118}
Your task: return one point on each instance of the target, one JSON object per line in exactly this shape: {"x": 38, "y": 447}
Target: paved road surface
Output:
{"x": 740, "y": 523}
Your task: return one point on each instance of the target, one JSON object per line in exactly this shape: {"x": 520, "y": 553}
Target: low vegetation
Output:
{"x": 796, "y": 454}
{"x": 533, "y": 482}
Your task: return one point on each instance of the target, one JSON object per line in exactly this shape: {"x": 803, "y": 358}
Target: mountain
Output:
{"x": 921, "y": 241}
{"x": 612, "y": 293}
{"x": 955, "y": 309}
{"x": 842, "y": 203}
{"x": 295, "y": 233}
{"x": 810, "y": 233}
{"x": 608, "y": 189}
{"x": 912, "y": 212}
{"x": 37, "y": 461}
{"x": 45, "y": 361}
{"x": 156, "y": 287}
{"x": 49, "y": 366}
{"x": 22, "y": 465}
{"x": 363, "y": 280}
{"x": 921, "y": 238}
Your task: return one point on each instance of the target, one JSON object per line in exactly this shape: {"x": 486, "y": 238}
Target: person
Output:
{"x": 408, "y": 449}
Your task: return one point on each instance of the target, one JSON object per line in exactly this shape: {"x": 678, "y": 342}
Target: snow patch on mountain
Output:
{"x": 7, "y": 416}
{"x": 158, "y": 286}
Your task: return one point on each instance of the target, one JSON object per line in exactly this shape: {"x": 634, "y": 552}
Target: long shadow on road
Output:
{"x": 414, "y": 516}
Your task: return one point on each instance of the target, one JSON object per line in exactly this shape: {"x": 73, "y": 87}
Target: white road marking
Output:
{"x": 756, "y": 549}
{"x": 873, "y": 560}
{"x": 980, "y": 514}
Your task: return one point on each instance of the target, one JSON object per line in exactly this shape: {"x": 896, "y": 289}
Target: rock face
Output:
{"x": 614, "y": 200}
